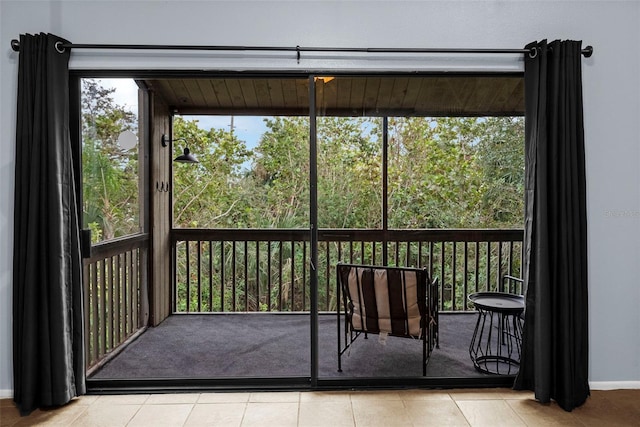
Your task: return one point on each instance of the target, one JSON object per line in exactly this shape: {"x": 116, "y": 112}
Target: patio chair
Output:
{"x": 396, "y": 301}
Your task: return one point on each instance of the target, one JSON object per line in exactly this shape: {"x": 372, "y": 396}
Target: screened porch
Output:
{"x": 213, "y": 304}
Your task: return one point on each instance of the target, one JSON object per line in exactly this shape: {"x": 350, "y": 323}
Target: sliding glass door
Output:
{"x": 420, "y": 172}
{"x": 294, "y": 175}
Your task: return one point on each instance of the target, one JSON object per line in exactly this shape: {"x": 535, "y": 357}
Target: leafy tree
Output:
{"x": 281, "y": 172}
{"x": 110, "y": 175}
{"x": 349, "y": 172}
{"x": 434, "y": 182}
{"x": 501, "y": 159}
{"x": 211, "y": 193}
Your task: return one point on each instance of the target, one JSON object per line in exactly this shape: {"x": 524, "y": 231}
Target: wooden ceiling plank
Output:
{"x": 163, "y": 88}
{"x": 356, "y": 96}
{"x": 289, "y": 93}
{"x": 467, "y": 89}
{"x": 385, "y": 91}
{"x": 399, "y": 92}
{"x": 321, "y": 101}
{"x": 370, "y": 95}
{"x": 483, "y": 96}
{"x": 211, "y": 99}
{"x": 222, "y": 93}
{"x": 330, "y": 89}
{"x": 182, "y": 96}
{"x": 235, "y": 93}
{"x": 249, "y": 95}
{"x": 275, "y": 92}
{"x": 195, "y": 93}
{"x": 302, "y": 93}
{"x": 424, "y": 101}
{"x": 343, "y": 96}
{"x": 459, "y": 91}
{"x": 515, "y": 101}
{"x": 414, "y": 86}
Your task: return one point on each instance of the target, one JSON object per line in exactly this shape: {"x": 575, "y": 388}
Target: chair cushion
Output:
{"x": 385, "y": 300}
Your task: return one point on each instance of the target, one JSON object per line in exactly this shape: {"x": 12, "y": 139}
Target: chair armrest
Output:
{"x": 510, "y": 279}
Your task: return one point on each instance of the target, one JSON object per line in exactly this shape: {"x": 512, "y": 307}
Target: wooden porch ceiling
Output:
{"x": 460, "y": 95}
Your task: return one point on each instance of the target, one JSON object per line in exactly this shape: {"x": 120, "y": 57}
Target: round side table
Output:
{"x": 497, "y": 338}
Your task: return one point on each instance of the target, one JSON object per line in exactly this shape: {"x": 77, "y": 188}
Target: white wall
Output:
{"x": 611, "y": 80}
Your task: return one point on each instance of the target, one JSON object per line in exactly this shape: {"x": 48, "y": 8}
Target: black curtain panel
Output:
{"x": 48, "y": 348}
{"x": 554, "y": 361}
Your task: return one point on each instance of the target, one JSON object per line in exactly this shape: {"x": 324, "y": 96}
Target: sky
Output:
{"x": 246, "y": 128}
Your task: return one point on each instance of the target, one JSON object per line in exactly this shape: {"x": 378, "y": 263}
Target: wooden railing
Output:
{"x": 268, "y": 270}
{"x": 113, "y": 278}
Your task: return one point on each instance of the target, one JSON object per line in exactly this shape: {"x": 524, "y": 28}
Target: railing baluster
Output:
{"x": 328, "y": 275}
{"x": 135, "y": 290}
{"x": 87, "y": 316}
{"x": 454, "y": 267}
{"x": 103, "y": 299}
{"x": 246, "y": 277}
{"x": 188, "y": 278}
{"x": 269, "y": 275}
{"x": 211, "y": 273}
{"x": 118, "y": 299}
{"x": 488, "y": 267}
{"x": 123, "y": 296}
{"x": 293, "y": 275}
{"x": 442, "y": 272}
{"x": 222, "y": 278}
{"x": 431, "y": 263}
{"x": 257, "y": 286}
{"x": 499, "y": 276}
{"x": 95, "y": 324}
{"x": 477, "y": 266}
{"x": 199, "y": 274}
{"x": 111, "y": 306}
{"x": 233, "y": 275}
{"x": 510, "y": 271}
{"x": 280, "y": 276}
{"x": 304, "y": 275}
{"x": 126, "y": 278}
{"x": 465, "y": 272}
{"x": 373, "y": 252}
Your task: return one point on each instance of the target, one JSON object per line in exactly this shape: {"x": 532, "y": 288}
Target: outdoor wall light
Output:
{"x": 186, "y": 156}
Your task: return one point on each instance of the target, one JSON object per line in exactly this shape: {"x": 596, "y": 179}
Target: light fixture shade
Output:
{"x": 186, "y": 157}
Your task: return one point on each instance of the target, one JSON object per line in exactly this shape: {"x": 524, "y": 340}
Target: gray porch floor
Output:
{"x": 265, "y": 345}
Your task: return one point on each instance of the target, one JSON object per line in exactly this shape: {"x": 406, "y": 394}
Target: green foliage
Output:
{"x": 501, "y": 160}
{"x": 281, "y": 174}
{"x": 211, "y": 193}
{"x": 349, "y": 172}
{"x": 443, "y": 173}
{"x": 110, "y": 175}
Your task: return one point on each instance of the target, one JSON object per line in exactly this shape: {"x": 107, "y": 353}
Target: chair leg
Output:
{"x": 424, "y": 353}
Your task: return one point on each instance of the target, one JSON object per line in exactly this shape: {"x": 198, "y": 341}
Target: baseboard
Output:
{"x": 6, "y": 394}
{"x": 614, "y": 385}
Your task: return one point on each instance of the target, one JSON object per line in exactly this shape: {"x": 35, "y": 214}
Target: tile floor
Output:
{"x": 460, "y": 407}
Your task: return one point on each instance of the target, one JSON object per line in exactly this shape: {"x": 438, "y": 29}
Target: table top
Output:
{"x": 498, "y": 301}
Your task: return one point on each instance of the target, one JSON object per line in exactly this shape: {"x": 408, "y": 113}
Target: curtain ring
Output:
{"x": 533, "y": 52}
{"x": 59, "y": 47}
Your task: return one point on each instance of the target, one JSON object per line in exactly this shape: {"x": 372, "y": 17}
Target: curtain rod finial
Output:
{"x": 15, "y": 45}
{"x": 587, "y": 51}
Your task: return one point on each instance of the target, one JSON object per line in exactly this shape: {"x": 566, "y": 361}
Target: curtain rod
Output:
{"x": 15, "y": 45}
